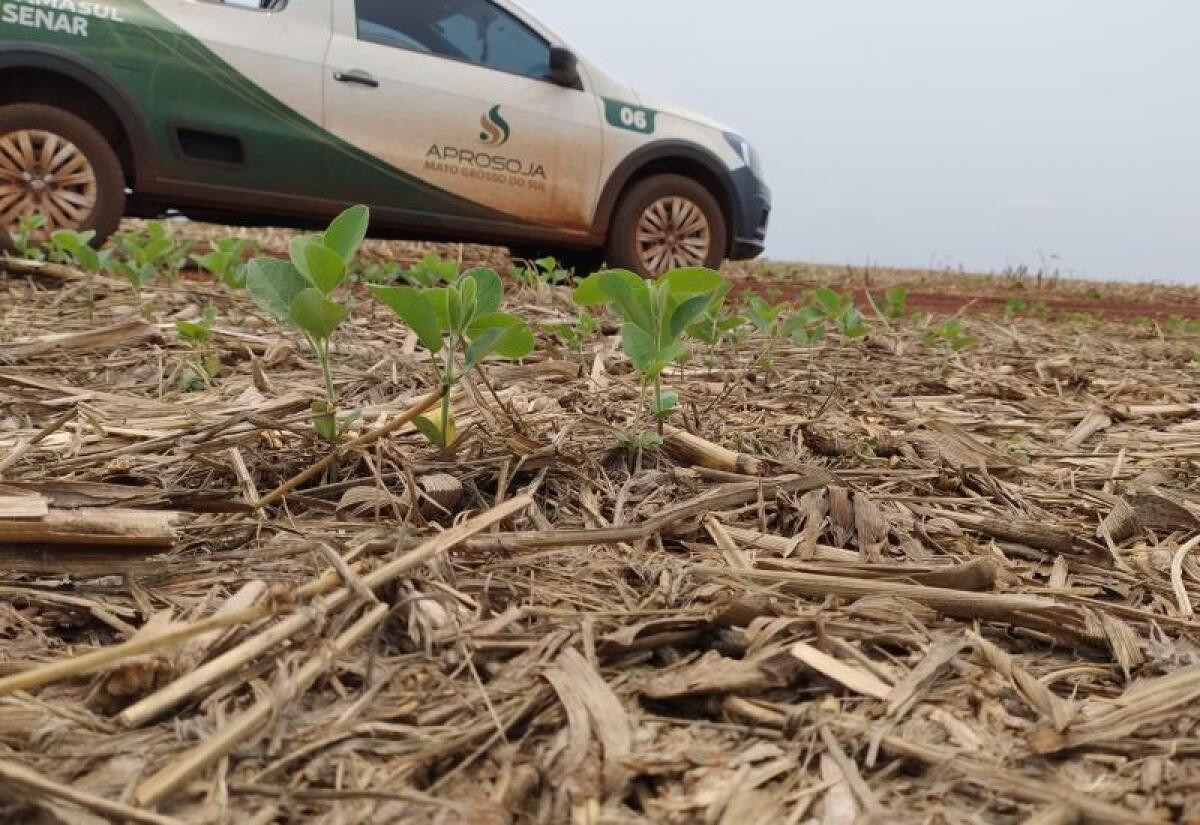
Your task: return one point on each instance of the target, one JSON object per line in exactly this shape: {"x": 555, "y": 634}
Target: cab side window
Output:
{"x": 475, "y": 31}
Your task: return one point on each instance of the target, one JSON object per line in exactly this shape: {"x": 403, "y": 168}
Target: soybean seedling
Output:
{"x": 715, "y": 325}
{"x": 70, "y": 246}
{"x": 300, "y": 292}
{"x": 225, "y": 261}
{"x": 206, "y": 364}
{"x": 655, "y": 315}
{"x": 24, "y": 238}
{"x": 894, "y": 304}
{"x": 380, "y": 274}
{"x": 840, "y": 310}
{"x": 432, "y": 270}
{"x": 573, "y": 335}
{"x": 542, "y": 271}
{"x": 460, "y": 324}
{"x": 806, "y": 327}
{"x": 952, "y": 334}
{"x": 144, "y": 254}
{"x": 767, "y": 318}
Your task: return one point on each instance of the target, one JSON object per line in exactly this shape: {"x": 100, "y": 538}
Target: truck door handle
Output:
{"x": 356, "y": 76}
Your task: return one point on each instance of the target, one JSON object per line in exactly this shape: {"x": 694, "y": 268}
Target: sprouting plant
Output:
{"x": 573, "y": 335}
{"x": 73, "y": 247}
{"x": 765, "y": 316}
{"x": 840, "y": 309}
{"x": 226, "y": 261}
{"x": 301, "y": 293}
{"x": 807, "y": 326}
{"x": 654, "y": 315}
{"x": 1015, "y": 306}
{"x": 206, "y": 364}
{"x": 460, "y": 324}
{"x": 24, "y": 238}
{"x": 432, "y": 270}
{"x": 1179, "y": 325}
{"x": 379, "y": 274}
{"x": 953, "y": 334}
{"x": 715, "y": 325}
{"x": 894, "y": 304}
{"x": 141, "y": 255}
{"x": 542, "y": 271}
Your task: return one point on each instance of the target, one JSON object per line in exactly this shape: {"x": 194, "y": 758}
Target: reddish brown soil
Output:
{"x": 952, "y": 302}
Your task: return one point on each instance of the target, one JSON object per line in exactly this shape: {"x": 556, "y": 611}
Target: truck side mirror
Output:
{"x": 564, "y": 68}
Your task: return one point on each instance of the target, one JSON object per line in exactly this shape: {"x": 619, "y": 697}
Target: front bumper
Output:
{"x": 753, "y": 214}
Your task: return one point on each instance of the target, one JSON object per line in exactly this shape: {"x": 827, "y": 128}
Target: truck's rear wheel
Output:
{"x": 665, "y": 222}
{"x": 55, "y": 164}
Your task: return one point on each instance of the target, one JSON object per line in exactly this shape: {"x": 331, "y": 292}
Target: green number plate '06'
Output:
{"x": 628, "y": 116}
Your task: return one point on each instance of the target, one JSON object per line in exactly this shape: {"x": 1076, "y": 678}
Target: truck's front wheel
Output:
{"x": 55, "y": 164}
{"x": 666, "y": 222}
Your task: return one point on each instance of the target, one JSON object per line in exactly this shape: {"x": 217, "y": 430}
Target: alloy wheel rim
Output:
{"x": 44, "y": 173}
{"x": 673, "y": 232}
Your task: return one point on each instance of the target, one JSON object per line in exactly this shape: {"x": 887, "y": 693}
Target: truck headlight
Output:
{"x": 745, "y": 151}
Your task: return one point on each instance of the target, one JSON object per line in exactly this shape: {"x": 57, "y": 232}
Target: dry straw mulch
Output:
{"x": 876, "y": 580}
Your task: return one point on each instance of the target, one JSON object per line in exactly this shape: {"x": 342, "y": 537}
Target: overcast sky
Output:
{"x": 981, "y": 133}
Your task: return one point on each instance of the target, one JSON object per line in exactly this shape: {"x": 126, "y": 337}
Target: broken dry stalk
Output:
{"x": 30, "y": 780}
{"x": 407, "y": 417}
{"x": 170, "y": 778}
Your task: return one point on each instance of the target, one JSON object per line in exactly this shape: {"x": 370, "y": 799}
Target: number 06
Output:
{"x": 636, "y": 119}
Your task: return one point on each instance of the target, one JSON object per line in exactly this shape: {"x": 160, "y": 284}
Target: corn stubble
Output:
{"x": 873, "y": 569}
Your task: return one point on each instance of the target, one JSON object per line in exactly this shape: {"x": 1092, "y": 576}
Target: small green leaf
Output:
{"x": 431, "y": 431}
{"x": 439, "y": 299}
{"x": 688, "y": 311}
{"x": 639, "y": 347}
{"x": 326, "y": 269}
{"x": 317, "y": 315}
{"x": 631, "y": 296}
{"x": 274, "y": 285}
{"x": 731, "y": 322}
{"x": 830, "y": 301}
{"x": 666, "y": 402}
{"x": 415, "y": 310}
{"x": 589, "y": 292}
{"x": 454, "y": 310}
{"x": 514, "y": 341}
{"x": 296, "y": 252}
{"x": 489, "y": 290}
{"x": 468, "y": 289}
{"x": 192, "y": 332}
{"x": 346, "y": 233}
{"x": 692, "y": 281}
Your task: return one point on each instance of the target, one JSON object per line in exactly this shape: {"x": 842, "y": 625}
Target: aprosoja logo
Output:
{"x": 496, "y": 131}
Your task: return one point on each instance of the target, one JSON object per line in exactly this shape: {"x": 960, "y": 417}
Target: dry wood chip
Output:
{"x": 609, "y": 720}
{"x": 856, "y": 679}
{"x": 23, "y": 507}
{"x": 871, "y": 527}
{"x": 714, "y": 673}
{"x": 919, "y": 678}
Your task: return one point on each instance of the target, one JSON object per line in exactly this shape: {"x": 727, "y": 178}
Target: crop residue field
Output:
{"x": 883, "y": 563}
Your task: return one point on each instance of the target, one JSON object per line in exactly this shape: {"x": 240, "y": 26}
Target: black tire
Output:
{"x": 624, "y": 250}
{"x": 98, "y": 204}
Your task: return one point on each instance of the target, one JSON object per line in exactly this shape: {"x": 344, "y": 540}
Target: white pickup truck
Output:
{"x": 461, "y": 120}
